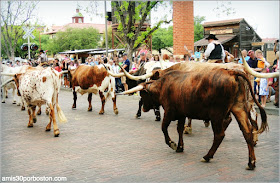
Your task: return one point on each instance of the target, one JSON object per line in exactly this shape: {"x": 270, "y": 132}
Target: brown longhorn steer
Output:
{"x": 93, "y": 79}
{"x": 210, "y": 95}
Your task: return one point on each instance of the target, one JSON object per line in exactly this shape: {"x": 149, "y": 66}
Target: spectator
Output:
{"x": 18, "y": 64}
{"x": 171, "y": 58}
{"x": 264, "y": 91}
{"x": 215, "y": 51}
{"x": 156, "y": 57}
{"x": 245, "y": 55}
{"x": 150, "y": 57}
{"x": 229, "y": 57}
{"x": 42, "y": 59}
{"x": 125, "y": 66}
{"x": 188, "y": 54}
{"x": 270, "y": 85}
{"x": 276, "y": 81}
{"x": 25, "y": 62}
{"x": 57, "y": 67}
{"x": 177, "y": 59}
{"x": 144, "y": 50}
{"x": 165, "y": 58}
{"x": 262, "y": 63}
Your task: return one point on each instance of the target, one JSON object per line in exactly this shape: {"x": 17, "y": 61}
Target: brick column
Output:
{"x": 183, "y": 26}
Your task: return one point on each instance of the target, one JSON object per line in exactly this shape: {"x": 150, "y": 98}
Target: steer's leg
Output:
{"x": 14, "y": 96}
{"x": 254, "y": 123}
{"x": 188, "y": 128}
{"x": 39, "y": 112}
{"x": 52, "y": 115}
{"x": 102, "y": 97}
{"x": 157, "y": 113}
{"x": 227, "y": 121}
{"x": 114, "y": 99}
{"x": 219, "y": 134}
{"x": 4, "y": 94}
{"x": 165, "y": 123}
{"x": 74, "y": 98}
{"x": 34, "y": 114}
{"x": 89, "y": 101}
{"x": 180, "y": 129}
{"x": 242, "y": 118}
{"x": 30, "y": 122}
{"x": 139, "y": 109}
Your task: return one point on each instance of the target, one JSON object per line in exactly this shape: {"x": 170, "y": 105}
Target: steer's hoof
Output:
{"x": 188, "y": 130}
{"x": 3, "y": 101}
{"x": 48, "y": 129}
{"x": 56, "y": 132}
{"x": 30, "y": 125}
{"x": 89, "y": 109}
{"x": 39, "y": 113}
{"x": 34, "y": 120}
{"x": 116, "y": 111}
{"x": 180, "y": 149}
{"x": 205, "y": 159}
{"x": 73, "y": 106}
{"x": 14, "y": 102}
{"x": 157, "y": 118}
{"x": 101, "y": 112}
{"x": 173, "y": 145}
{"x": 206, "y": 124}
{"x": 250, "y": 167}
{"x": 23, "y": 108}
{"x": 7, "y": 96}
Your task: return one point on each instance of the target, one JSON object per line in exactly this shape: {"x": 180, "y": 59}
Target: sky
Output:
{"x": 263, "y": 16}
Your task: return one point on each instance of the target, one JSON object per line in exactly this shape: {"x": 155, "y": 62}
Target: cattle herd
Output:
{"x": 205, "y": 91}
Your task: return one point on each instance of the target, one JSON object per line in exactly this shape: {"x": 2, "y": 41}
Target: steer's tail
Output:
{"x": 60, "y": 115}
{"x": 264, "y": 125}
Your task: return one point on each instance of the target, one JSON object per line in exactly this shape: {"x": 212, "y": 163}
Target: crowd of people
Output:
{"x": 214, "y": 53}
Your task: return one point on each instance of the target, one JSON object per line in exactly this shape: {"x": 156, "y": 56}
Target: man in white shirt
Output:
{"x": 215, "y": 51}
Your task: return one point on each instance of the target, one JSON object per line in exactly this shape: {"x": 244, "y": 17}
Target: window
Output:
{"x": 80, "y": 20}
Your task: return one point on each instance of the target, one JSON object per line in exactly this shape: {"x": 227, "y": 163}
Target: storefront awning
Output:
{"x": 222, "y": 39}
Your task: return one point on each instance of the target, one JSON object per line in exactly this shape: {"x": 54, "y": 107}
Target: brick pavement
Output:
{"x": 120, "y": 148}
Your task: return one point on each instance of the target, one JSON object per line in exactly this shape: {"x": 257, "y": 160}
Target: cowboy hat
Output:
{"x": 211, "y": 36}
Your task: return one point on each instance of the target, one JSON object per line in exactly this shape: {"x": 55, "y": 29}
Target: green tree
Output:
{"x": 162, "y": 39}
{"x": 198, "y": 28}
{"x": 14, "y": 14}
{"x": 131, "y": 16}
{"x": 74, "y": 39}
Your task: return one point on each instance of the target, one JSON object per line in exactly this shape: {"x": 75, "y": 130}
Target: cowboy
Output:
{"x": 42, "y": 59}
{"x": 215, "y": 51}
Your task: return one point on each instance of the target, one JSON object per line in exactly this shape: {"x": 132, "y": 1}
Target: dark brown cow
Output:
{"x": 210, "y": 95}
{"x": 93, "y": 79}
{"x": 201, "y": 67}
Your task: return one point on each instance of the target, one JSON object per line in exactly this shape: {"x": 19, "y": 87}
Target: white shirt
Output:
{"x": 211, "y": 47}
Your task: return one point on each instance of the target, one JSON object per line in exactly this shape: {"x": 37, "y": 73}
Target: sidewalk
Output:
{"x": 270, "y": 109}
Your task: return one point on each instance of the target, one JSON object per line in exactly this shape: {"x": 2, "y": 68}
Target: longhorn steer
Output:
{"x": 93, "y": 79}
{"x": 210, "y": 95}
{"x": 38, "y": 86}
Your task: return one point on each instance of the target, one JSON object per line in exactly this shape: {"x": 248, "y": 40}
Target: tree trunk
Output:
{"x": 130, "y": 53}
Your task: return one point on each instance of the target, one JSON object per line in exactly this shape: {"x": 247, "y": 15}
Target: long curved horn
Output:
{"x": 8, "y": 81}
{"x": 7, "y": 74}
{"x": 132, "y": 90}
{"x": 116, "y": 75}
{"x": 142, "y": 77}
{"x": 257, "y": 74}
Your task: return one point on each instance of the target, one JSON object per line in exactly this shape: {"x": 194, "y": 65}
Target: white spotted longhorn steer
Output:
{"x": 38, "y": 86}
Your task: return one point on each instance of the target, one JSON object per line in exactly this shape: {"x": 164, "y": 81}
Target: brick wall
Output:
{"x": 183, "y": 26}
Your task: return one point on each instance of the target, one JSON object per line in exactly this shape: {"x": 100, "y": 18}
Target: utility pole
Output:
{"x": 106, "y": 35}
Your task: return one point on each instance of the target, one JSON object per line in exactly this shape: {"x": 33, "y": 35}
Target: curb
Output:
{"x": 269, "y": 110}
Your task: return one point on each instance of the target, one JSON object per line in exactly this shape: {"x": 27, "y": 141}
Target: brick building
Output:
{"x": 183, "y": 26}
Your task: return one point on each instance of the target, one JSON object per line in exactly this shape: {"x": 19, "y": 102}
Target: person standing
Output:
{"x": 42, "y": 59}
{"x": 215, "y": 51}
{"x": 245, "y": 55}
{"x": 125, "y": 66}
{"x": 264, "y": 88}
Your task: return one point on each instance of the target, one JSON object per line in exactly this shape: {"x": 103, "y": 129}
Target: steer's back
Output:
{"x": 197, "y": 95}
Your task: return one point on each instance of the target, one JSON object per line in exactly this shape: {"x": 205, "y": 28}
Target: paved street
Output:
{"x": 121, "y": 148}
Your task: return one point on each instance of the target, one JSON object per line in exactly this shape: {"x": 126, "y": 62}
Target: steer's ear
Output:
{"x": 155, "y": 75}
